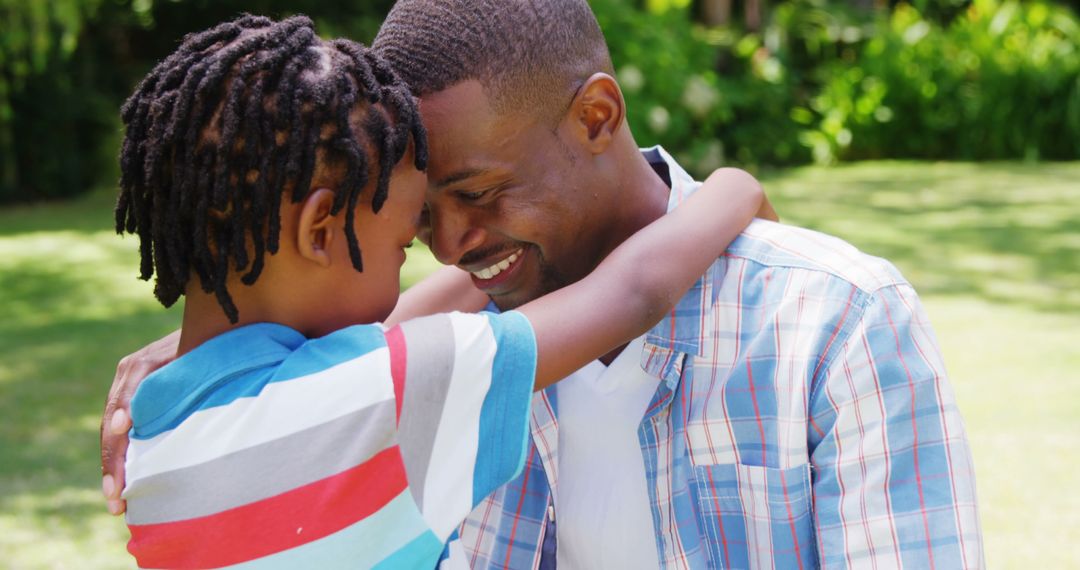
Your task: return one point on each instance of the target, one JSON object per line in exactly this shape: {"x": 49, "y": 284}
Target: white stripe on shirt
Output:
{"x": 453, "y": 457}
{"x": 283, "y": 408}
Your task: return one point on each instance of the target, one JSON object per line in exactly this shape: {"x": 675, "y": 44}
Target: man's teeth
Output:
{"x": 489, "y": 272}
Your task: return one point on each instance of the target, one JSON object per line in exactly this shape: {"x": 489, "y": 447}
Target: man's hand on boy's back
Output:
{"x": 116, "y": 421}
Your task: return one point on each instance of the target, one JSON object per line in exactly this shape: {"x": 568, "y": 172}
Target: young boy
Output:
{"x": 287, "y": 434}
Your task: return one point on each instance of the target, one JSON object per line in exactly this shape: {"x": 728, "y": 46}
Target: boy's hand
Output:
{"x": 116, "y": 421}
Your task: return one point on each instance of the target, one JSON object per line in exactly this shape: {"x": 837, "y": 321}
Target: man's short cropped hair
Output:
{"x": 527, "y": 54}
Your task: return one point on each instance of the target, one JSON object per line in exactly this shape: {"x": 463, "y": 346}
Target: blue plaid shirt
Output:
{"x": 803, "y": 420}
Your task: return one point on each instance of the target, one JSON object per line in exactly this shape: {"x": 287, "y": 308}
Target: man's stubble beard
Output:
{"x": 551, "y": 279}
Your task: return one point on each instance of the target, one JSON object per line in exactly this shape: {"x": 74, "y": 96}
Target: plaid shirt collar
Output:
{"x": 678, "y": 334}
{"x": 666, "y": 345}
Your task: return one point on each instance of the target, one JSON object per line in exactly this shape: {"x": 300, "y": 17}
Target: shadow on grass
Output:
{"x": 1007, "y": 233}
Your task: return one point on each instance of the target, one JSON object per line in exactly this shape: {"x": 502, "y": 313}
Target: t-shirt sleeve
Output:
{"x": 464, "y": 387}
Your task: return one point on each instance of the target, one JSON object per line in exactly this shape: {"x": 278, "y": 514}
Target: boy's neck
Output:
{"x": 203, "y": 320}
{"x": 272, "y": 299}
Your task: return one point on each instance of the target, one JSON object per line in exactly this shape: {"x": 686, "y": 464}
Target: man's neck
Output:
{"x": 643, "y": 199}
{"x": 647, "y": 201}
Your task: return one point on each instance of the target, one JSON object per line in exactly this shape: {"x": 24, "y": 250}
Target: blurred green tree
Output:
{"x": 38, "y": 102}
{"x": 715, "y": 81}
{"x": 67, "y": 65}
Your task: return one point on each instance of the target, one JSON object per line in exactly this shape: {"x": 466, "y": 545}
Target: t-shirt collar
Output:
{"x": 172, "y": 388}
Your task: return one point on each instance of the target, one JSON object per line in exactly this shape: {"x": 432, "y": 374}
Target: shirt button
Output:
{"x": 551, "y": 513}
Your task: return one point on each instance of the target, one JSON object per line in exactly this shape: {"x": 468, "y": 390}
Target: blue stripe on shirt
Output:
{"x": 504, "y": 417}
{"x": 196, "y": 381}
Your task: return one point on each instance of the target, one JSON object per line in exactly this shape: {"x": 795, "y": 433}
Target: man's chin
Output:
{"x": 511, "y": 301}
{"x": 550, "y": 281}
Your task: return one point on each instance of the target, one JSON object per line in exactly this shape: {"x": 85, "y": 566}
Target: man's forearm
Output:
{"x": 448, "y": 289}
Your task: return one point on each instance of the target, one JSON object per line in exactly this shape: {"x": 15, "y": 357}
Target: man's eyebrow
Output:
{"x": 460, "y": 176}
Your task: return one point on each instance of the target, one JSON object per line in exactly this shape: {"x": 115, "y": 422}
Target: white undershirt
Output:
{"x": 603, "y": 515}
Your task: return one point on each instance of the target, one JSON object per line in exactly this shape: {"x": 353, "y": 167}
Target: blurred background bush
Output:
{"x": 823, "y": 81}
{"x": 760, "y": 82}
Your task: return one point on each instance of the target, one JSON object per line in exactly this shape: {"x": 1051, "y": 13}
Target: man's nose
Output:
{"x": 450, "y": 234}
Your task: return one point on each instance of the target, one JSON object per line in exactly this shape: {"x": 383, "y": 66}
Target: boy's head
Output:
{"x": 257, "y": 130}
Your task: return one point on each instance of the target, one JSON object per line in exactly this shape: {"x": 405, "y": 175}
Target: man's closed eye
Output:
{"x": 472, "y": 196}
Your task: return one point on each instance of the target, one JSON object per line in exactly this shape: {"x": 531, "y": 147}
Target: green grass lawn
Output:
{"x": 994, "y": 249}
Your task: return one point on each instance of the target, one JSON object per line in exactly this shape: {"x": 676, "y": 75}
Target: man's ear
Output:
{"x": 597, "y": 112}
{"x": 315, "y": 229}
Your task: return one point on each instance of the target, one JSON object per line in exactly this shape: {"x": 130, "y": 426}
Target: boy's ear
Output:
{"x": 597, "y": 112}
{"x": 315, "y": 229}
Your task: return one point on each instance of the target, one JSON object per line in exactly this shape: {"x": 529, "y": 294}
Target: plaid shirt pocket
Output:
{"x": 756, "y": 517}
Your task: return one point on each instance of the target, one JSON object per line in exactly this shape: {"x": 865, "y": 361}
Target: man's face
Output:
{"x": 508, "y": 198}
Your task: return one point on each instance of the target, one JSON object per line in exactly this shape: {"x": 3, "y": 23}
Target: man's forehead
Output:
{"x": 467, "y": 138}
{"x": 460, "y": 103}
{"x": 462, "y": 175}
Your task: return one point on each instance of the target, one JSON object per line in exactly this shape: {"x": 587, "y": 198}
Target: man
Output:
{"x": 791, "y": 412}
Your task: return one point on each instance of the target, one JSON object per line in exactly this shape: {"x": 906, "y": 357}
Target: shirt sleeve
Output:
{"x": 464, "y": 387}
{"x": 893, "y": 478}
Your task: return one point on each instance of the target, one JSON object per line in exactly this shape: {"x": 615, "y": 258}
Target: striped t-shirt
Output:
{"x": 364, "y": 448}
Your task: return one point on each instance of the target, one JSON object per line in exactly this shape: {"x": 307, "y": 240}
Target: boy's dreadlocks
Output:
{"x": 236, "y": 117}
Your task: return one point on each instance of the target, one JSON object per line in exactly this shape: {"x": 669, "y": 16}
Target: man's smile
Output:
{"x": 496, "y": 271}
{"x": 498, "y": 267}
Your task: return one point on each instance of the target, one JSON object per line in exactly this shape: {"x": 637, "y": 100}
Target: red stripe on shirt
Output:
{"x": 828, "y": 347}
{"x": 914, "y": 434}
{"x": 517, "y": 514}
{"x": 791, "y": 520}
{"x": 395, "y": 341}
{"x": 278, "y": 523}
{"x": 945, "y": 431}
{"x": 719, "y": 519}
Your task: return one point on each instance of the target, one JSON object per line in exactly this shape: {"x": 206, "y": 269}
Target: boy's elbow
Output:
{"x": 653, "y": 298}
{"x": 737, "y": 178}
